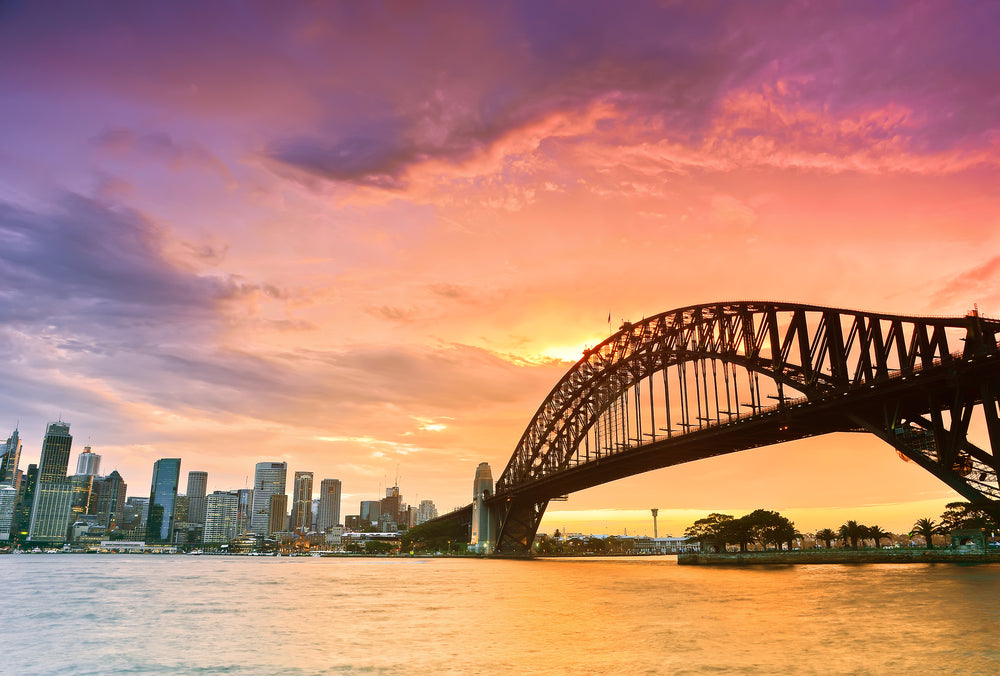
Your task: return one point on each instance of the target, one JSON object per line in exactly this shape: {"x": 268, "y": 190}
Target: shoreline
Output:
{"x": 848, "y": 556}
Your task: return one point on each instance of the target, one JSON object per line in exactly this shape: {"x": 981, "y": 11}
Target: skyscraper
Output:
{"x": 277, "y": 509}
{"x": 221, "y": 514}
{"x": 162, "y": 496}
{"x": 88, "y": 463}
{"x": 53, "y": 497}
{"x": 329, "y": 504}
{"x": 197, "y": 485}
{"x": 302, "y": 502}
{"x": 110, "y": 499}
{"x": 55, "y": 452}
{"x": 268, "y": 480}
{"x": 10, "y": 456}
{"x": 426, "y": 511}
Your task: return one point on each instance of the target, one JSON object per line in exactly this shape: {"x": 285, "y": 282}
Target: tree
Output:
{"x": 877, "y": 534}
{"x": 927, "y": 529}
{"x": 852, "y": 531}
{"x": 965, "y": 515}
{"x": 709, "y": 531}
{"x": 826, "y": 535}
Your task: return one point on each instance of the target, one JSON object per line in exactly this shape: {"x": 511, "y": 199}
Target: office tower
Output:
{"x": 88, "y": 462}
{"x": 482, "y": 488}
{"x": 391, "y": 506}
{"x": 25, "y": 500}
{"x": 10, "y": 456}
{"x": 426, "y": 511}
{"x": 268, "y": 480}
{"x": 371, "y": 510}
{"x": 221, "y": 514}
{"x": 110, "y": 501}
{"x": 277, "y": 509}
{"x": 329, "y": 504}
{"x": 8, "y": 500}
{"x": 162, "y": 496}
{"x": 245, "y": 496}
{"x": 83, "y": 486}
{"x": 55, "y": 452}
{"x": 197, "y": 485}
{"x": 302, "y": 502}
{"x": 53, "y": 498}
{"x": 181, "y": 510}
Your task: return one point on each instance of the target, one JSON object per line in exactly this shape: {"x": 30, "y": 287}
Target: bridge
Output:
{"x": 708, "y": 380}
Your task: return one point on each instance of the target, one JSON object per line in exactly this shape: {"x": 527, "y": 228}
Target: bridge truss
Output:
{"x": 718, "y": 378}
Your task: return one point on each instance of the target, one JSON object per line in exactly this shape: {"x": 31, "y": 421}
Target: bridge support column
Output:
{"x": 518, "y": 523}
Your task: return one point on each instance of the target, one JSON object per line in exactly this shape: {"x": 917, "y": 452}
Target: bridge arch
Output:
{"x": 911, "y": 380}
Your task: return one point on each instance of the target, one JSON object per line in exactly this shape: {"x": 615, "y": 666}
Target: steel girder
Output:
{"x": 817, "y": 351}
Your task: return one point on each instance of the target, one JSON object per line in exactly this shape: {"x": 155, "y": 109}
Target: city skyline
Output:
{"x": 217, "y": 244}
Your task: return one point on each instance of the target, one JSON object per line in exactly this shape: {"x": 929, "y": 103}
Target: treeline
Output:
{"x": 766, "y": 529}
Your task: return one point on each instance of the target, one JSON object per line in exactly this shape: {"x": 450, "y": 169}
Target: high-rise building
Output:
{"x": 162, "y": 496}
{"x": 278, "y": 510}
{"x": 110, "y": 500}
{"x": 10, "y": 456}
{"x": 371, "y": 510}
{"x": 55, "y": 452}
{"x": 88, "y": 462}
{"x": 268, "y": 480}
{"x": 245, "y": 496}
{"x": 302, "y": 502}
{"x": 197, "y": 485}
{"x": 221, "y": 515}
{"x": 392, "y": 506}
{"x": 83, "y": 486}
{"x": 426, "y": 511}
{"x": 329, "y": 504}
{"x": 50, "y": 509}
{"x": 8, "y": 500}
{"x": 25, "y": 501}
{"x": 482, "y": 488}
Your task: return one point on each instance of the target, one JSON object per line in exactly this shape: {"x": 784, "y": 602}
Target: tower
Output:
{"x": 88, "y": 463}
{"x": 268, "y": 480}
{"x": 50, "y": 509}
{"x": 329, "y": 504}
{"x": 162, "y": 497}
{"x": 655, "y": 512}
{"x": 197, "y": 485}
{"x": 302, "y": 491}
{"x": 482, "y": 488}
{"x": 10, "y": 456}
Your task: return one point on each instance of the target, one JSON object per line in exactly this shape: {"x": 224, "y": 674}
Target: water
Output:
{"x": 135, "y": 614}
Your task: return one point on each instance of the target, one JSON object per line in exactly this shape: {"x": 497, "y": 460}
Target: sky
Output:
{"x": 368, "y": 238}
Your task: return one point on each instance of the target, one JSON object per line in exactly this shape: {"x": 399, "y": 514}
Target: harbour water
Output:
{"x": 150, "y": 614}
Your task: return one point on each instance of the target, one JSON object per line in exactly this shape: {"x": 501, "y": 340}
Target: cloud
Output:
{"x": 977, "y": 284}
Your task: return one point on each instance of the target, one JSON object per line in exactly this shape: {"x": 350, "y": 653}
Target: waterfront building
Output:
{"x": 391, "y": 506}
{"x": 278, "y": 509}
{"x": 88, "y": 462}
{"x": 109, "y": 499}
{"x": 162, "y": 499}
{"x": 482, "y": 488}
{"x": 221, "y": 516}
{"x": 268, "y": 480}
{"x": 25, "y": 501}
{"x": 302, "y": 502}
{"x": 196, "y": 487}
{"x": 426, "y": 511}
{"x": 8, "y": 500}
{"x": 50, "y": 513}
{"x": 352, "y": 522}
{"x": 53, "y": 494}
{"x": 10, "y": 456}
{"x": 328, "y": 514}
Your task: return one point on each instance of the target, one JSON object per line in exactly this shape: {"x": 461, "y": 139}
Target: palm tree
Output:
{"x": 853, "y": 531}
{"x": 877, "y": 534}
{"x": 826, "y": 535}
{"x": 927, "y": 529}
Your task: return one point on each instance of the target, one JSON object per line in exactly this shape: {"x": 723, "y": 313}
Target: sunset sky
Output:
{"x": 368, "y": 238}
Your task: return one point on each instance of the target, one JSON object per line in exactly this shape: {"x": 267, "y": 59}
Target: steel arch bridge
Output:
{"x": 718, "y": 378}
